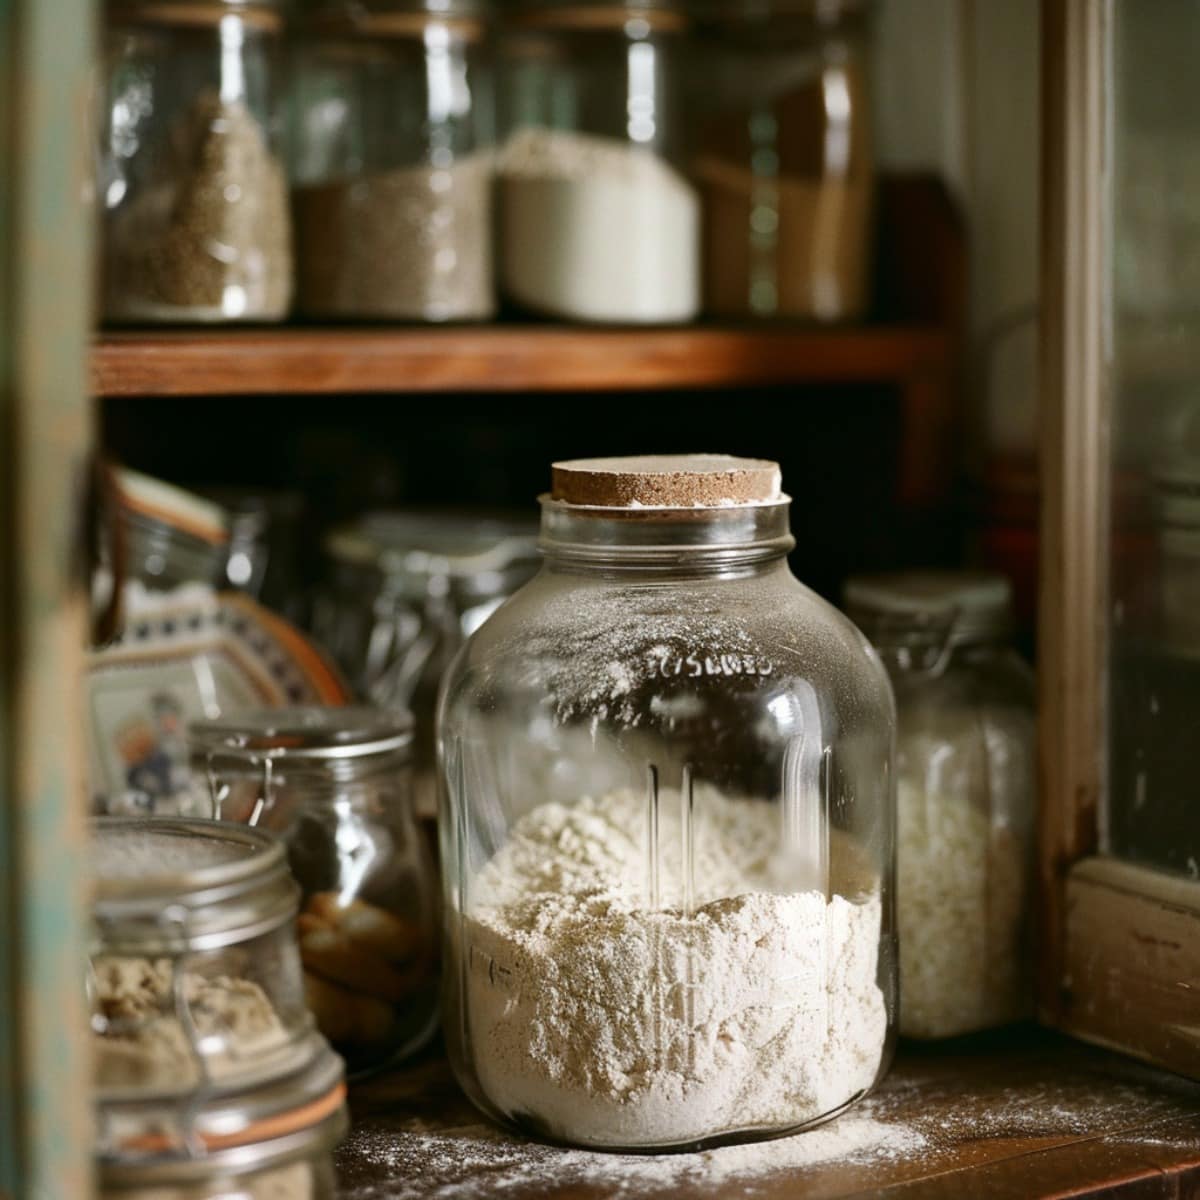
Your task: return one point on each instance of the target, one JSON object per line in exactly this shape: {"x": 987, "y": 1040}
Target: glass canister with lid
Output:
{"x": 784, "y": 158}
{"x": 965, "y": 774}
{"x": 196, "y": 991}
{"x": 191, "y": 177}
{"x": 335, "y": 785}
{"x": 404, "y": 590}
{"x": 597, "y": 218}
{"x": 667, "y": 826}
{"x": 392, "y": 166}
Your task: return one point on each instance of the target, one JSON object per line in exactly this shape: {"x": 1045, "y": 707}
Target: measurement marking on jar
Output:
{"x": 687, "y": 815}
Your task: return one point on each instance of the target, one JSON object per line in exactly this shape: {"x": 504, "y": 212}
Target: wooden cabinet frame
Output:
{"x": 1120, "y": 956}
{"x": 45, "y": 294}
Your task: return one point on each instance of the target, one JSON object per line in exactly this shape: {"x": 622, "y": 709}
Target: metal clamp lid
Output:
{"x": 305, "y": 734}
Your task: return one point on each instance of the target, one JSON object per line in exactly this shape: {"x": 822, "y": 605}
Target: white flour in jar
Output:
{"x": 597, "y": 229}
{"x": 606, "y": 1020}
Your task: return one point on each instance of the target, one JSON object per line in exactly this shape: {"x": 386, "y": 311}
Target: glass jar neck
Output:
{"x": 667, "y": 541}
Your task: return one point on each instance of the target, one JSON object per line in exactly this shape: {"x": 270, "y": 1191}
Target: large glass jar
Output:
{"x": 597, "y": 220}
{"x": 965, "y": 775}
{"x": 393, "y": 169}
{"x": 190, "y": 178}
{"x": 784, "y": 159}
{"x": 335, "y": 784}
{"x": 404, "y": 590}
{"x": 195, "y": 985}
{"x": 667, "y": 829}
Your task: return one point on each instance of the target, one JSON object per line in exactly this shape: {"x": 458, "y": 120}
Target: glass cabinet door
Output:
{"x": 1152, "y": 814}
{"x": 1120, "y": 629}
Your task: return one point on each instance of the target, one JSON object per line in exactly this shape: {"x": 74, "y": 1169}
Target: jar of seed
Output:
{"x": 191, "y": 179}
{"x": 392, "y": 160}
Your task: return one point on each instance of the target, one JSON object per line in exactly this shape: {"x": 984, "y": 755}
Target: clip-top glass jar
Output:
{"x": 191, "y": 179}
{"x": 784, "y": 158}
{"x": 198, "y": 1010}
{"x": 667, "y": 830}
{"x": 392, "y": 164}
{"x": 335, "y": 784}
{"x": 405, "y": 589}
{"x": 965, "y": 774}
{"x": 597, "y": 219}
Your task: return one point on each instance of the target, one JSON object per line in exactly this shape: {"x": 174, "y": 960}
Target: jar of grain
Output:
{"x": 965, "y": 795}
{"x": 191, "y": 180}
{"x": 667, "y": 824}
{"x": 335, "y": 785}
{"x": 392, "y": 167}
{"x": 783, "y": 158}
{"x": 598, "y": 220}
{"x": 201, "y": 1039}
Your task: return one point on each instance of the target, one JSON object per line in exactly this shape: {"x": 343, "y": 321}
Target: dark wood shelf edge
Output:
{"x": 310, "y": 361}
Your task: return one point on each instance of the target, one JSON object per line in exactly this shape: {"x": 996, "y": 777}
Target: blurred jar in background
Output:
{"x": 597, "y": 218}
{"x": 392, "y": 165}
{"x": 190, "y": 173}
{"x": 335, "y": 784}
{"x": 965, "y": 780}
{"x": 784, "y": 158}
{"x": 264, "y": 556}
{"x": 404, "y": 591}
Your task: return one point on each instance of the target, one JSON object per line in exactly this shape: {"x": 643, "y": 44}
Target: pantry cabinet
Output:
{"x": 1118, "y": 924}
{"x": 1119, "y": 654}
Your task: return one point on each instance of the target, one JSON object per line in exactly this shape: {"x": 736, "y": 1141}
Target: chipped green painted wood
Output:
{"x": 45, "y": 292}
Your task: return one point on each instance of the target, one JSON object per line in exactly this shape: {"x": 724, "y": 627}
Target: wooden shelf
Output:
{"x": 1015, "y": 1115}
{"x": 505, "y": 358}
{"x": 914, "y": 349}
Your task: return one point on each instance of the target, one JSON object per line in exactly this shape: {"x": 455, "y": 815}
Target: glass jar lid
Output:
{"x": 476, "y": 557}
{"x": 166, "y": 886}
{"x": 306, "y": 734}
{"x": 320, "y": 745}
{"x": 959, "y": 607}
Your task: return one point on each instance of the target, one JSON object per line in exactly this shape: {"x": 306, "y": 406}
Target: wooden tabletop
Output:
{"x": 1021, "y": 1113}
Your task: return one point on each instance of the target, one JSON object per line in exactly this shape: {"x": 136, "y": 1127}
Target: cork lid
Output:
{"x": 666, "y": 481}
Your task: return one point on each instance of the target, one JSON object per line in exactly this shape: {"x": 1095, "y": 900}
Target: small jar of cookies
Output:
{"x": 336, "y": 785}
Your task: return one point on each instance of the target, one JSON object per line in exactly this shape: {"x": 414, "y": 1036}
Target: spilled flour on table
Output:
{"x": 420, "y": 1163}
